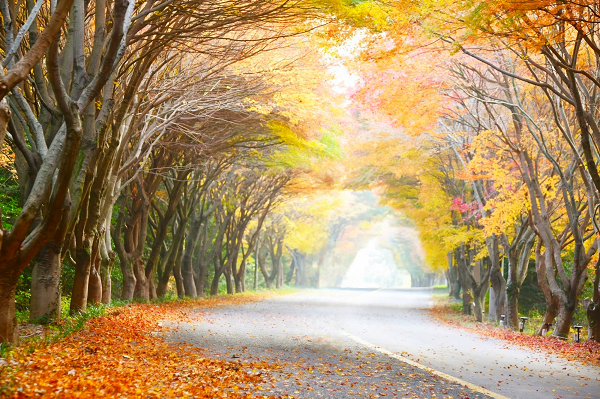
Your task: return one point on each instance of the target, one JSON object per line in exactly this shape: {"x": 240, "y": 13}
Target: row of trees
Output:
{"x": 157, "y": 136}
{"x": 498, "y": 155}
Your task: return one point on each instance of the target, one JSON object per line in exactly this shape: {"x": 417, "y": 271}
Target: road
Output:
{"x": 379, "y": 343}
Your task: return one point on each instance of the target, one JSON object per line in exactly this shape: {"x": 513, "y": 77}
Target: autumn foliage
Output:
{"x": 123, "y": 354}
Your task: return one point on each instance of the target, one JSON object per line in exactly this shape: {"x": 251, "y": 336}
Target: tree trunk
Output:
{"x": 302, "y": 262}
{"x": 229, "y": 281}
{"x": 513, "y": 287}
{"x": 550, "y": 298}
{"x": 173, "y": 258}
{"x": 549, "y": 315}
{"x": 179, "y": 281}
{"x": 188, "y": 282}
{"x": 94, "y": 295}
{"x": 214, "y": 286}
{"x": 290, "y": 274}
{"x": 162, "y": 231}
{"x": 95, "y": 286}
{"x": 45, "y": 280}
{"x": 142, "y": 284}
{"x": 255, "y": 273}
{"x": 499, "y": 298}
{"x": 498, "y": 283}
{"x": 191, "y": 244}
{"x": 261, "y": 258}
{"x": 593, "y": 308}
{"x": 83, "y": 260}
{"x": 186, "y": 266}
{"x": 106, "y": 265}
{"x": 240, "y": 277}
{"x": 279, "y": 280}
{"x": 200, "y": 268}
{"x": 9, "y": 328}
{"x": 151, "y": 288}
{"x": 564, "y": 319}
{"x": 518, "y": 252}
{"x": 593, "y": 315}
{"x": 512, "y": 305}
{"x": 467, "y": 297}
{"x": 45, "y": 285}
{"x": 479, "y": 285}
{"x": 163, "y": 282}
{"x": 129, "y": 279}
{"x": 453, "y": 278}
{"x": 478, "y": 300}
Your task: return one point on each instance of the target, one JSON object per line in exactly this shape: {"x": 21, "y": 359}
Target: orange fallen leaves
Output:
{"x": 121, "y": 355}
{"x": 585, "y": 352}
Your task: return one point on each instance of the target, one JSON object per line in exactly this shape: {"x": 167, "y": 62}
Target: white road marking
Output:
{"x": 425, "y": 368}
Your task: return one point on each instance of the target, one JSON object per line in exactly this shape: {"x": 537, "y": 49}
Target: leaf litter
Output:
{"x": 587, "y": 353}
{"x": 122, "y": 355}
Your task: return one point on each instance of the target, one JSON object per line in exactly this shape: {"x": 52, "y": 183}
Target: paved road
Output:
{"x": 353, "y": 343}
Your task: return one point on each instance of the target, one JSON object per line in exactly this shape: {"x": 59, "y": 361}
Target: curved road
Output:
{"x": 379, "y": 343}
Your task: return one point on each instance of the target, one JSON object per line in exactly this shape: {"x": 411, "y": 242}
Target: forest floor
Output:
{"x": 446, "y": 311}
{"x": 122, "y": 354}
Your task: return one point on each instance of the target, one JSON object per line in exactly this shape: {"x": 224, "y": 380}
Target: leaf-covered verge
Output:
{"x": 121, "y": 354}
{"x": 584, "y": 352}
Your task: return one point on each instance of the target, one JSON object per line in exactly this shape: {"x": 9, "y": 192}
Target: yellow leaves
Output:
{"x": 310, "y": 217}
{"x": 7, "y": 160}
{"x": 312, "y": 156}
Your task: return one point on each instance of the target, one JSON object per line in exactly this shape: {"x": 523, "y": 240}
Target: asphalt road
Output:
{"x": 378, "y": 343}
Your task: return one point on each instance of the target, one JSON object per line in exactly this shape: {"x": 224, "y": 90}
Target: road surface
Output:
{"x": 379, "y": 343}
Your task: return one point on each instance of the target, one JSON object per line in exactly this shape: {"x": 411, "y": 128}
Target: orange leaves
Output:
{"x": 121, "y": 355}
{"x": 405, "y": 90}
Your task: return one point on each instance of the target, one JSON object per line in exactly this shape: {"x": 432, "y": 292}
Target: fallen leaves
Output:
{"x": 121, "y": 355}
{"x": 585, "y": 352}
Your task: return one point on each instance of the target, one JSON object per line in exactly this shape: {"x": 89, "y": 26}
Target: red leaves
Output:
{"x": 584, "y": 352}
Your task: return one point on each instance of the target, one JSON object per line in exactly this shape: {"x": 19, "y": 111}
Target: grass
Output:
{"x": 438, "y": 289}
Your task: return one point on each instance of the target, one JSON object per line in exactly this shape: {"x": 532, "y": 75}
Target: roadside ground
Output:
{"x": 122, "y": 354}
{"x": 445, "y": 311}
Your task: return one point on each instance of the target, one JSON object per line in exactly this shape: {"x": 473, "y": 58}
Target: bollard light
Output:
{"x": 577, "y": 335}
{"x": 546, "y": 329}
{"x": 502, "y": 322}
{"x": 522, "y": 323}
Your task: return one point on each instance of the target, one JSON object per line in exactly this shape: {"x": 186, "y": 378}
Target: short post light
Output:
{"x": 577, "y": 335}
{"x": 502, "y": 322}
{"x": 546, "y": 329}
{"x": 522, "y": 323}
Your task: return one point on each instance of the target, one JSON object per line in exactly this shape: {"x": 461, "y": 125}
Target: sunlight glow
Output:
{"x": 374, "y": 267}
